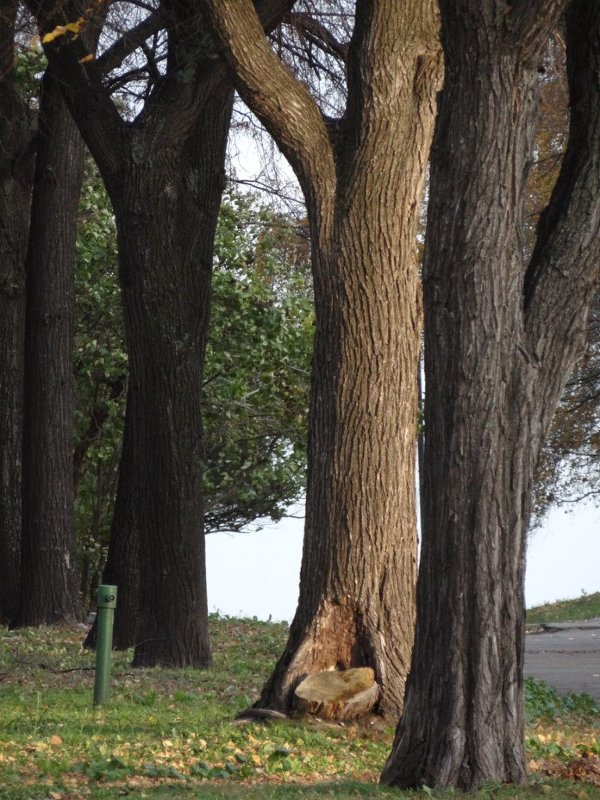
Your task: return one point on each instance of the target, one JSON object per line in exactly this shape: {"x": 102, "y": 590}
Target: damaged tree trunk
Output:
{"x": 362, "y": 178}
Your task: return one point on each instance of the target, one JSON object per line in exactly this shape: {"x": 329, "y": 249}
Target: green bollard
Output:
{"x": 107, "y": 602}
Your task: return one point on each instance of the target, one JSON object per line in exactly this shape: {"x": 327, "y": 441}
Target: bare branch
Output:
{"x": 115, "y": 55}
{"x": 313, "y": 29}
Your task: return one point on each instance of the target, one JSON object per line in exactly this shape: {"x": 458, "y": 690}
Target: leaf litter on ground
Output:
{"x": 166, "y": 727}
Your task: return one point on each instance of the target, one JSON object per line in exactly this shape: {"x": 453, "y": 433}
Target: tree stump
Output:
{"x": 338, "y": 695}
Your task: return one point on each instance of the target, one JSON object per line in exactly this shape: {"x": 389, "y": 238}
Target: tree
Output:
{"x": 17, "y": 150}
{"x": 502, "y": 333}
{"x": 362, "y": 177}
{"x": 255, "y": 390}
{"x": 163, "y": 171}
{"x": 255, "y": 394}
{"x": 49, "y": 590}
{"x": 568, "y": 470}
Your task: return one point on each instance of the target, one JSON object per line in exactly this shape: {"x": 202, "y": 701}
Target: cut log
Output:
{"x": 338, "y": 695}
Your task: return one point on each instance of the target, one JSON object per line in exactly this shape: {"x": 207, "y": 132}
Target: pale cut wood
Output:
{"x": 338, "y": 694}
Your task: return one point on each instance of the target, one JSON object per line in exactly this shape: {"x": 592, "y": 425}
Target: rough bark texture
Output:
{"x": 166, "y": 220}
{"x": 362, "y": 186}
{"x": 164, "y": 174}
{"x": 501, "y": 338}
{"x": 168, "y": 217}
{"x": 16, "y": 173}
{"x": 166, "y": 212}
{"x": 49, "y": 590}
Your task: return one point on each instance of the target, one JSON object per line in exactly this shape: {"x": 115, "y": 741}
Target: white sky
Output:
{"x": 256, "y": 574}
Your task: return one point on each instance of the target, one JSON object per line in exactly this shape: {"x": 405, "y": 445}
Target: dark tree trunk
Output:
{"x": 165, "y": 184}
{"x": 154, "y": 586}
{"x": 49, "y": 590}
{"x": 16, "y": 173}
{"x": 362, "y": 187}
{"x": 166, "y": 220}
{"x": 501, "y": 338}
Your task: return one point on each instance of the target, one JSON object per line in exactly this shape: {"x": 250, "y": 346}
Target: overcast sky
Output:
{"x": 256, "y": 574}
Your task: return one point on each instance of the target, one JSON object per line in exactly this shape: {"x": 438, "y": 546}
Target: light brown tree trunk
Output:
{"x": 501, "y": 338}
{"x": 362, "y": 186}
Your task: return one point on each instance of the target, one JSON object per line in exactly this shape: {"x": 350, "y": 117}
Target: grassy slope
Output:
{"x": 585, "y": 607}
{"x": 170, "y": 733}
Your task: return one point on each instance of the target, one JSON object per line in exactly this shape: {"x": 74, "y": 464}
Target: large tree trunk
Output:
{"x": 124, "y": 564}
{"x": 501, "y": 337}
{"x": 165, "y": 183}
{"x": 362, "y": 187}
{"x": 166, "y": 219}
{"x": 357, "y": 581}
{"x": 16, "y": 173}
{"x": 49, "y": 586}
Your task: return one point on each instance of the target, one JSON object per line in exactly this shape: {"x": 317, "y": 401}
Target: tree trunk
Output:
{"x": 362, "y": 185}
{"x": 16, "y": 173}
{"x": 122, "y": 563}
{"x": 49, "y": 585}
{"x": 497, "y": 355}
{"x": 356, "y": 605}
{"x": 165, "y": 183}
{"x": 166, "y": 219}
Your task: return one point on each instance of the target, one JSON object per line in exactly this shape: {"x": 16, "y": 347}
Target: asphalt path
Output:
{"x": 567, "y": 656}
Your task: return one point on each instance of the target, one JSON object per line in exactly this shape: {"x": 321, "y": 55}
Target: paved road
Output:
{"x": 567, "y": 656}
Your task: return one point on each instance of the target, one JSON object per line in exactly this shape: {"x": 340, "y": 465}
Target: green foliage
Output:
{"x": 257, "y": 367}
{"x": 100, "y": 364}
{"x": 543, "y": 702}
{"x": 585, "y": 607}
{"x": 170, "y": 733}
{"x": 256, "y": 375}
{"x": 29, "y": 69}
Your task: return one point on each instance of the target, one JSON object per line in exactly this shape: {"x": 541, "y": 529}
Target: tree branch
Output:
{"x": 311, "y": 28}
{"x": 565, "y": 263}
{"x": 531, "y": 22}
{"x": 282, "y": 103}
{"x": 114, "y": 56}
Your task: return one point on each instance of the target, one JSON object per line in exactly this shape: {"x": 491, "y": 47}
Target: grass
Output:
{"x": 170, "y": 733}
{"x": 585, "y": 607}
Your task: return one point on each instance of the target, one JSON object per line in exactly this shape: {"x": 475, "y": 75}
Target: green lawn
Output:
{"x": 585, "y": 607}
{"x": 170, "y": 734}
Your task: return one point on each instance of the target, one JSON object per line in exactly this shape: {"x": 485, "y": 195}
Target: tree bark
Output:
{"x": 49, "y": 586}
{"x": 362, "y": 186}
{"x": 166, "y": 223}
{"x": 164, "y": 181}
{"x": 16, "y": 174}
{"x": 501, "y": 336}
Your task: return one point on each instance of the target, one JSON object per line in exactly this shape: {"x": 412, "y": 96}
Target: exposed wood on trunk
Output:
{"x": 338, "y": 694}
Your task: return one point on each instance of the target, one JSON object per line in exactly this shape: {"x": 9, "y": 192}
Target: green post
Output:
{"x": 107, "y": 602}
